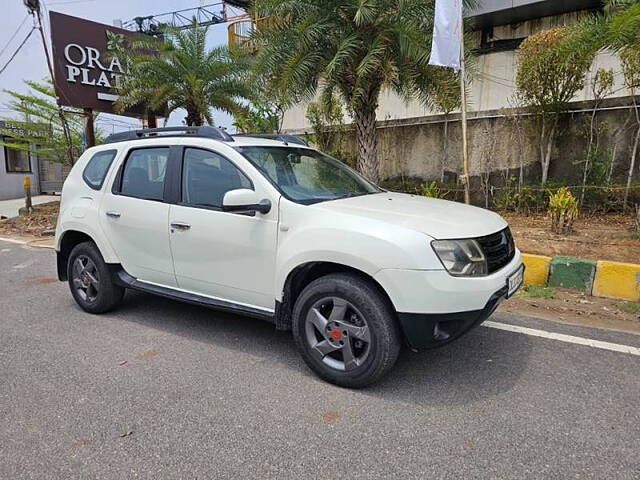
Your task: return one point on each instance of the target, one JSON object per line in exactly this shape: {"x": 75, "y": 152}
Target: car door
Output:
{"x": 135, "y": 217}
{"x": 228, "y": 256}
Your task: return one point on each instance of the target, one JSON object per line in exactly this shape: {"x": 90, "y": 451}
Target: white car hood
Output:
{"x": 439, "y": 219}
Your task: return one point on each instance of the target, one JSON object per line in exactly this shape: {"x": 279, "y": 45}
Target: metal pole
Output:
{"x": 63, "y": 120}
{"x": 89, "y": 130}
{"x": 463, "y": 99}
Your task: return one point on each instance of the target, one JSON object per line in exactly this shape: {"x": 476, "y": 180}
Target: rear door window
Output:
{"x": 144, "y": 173}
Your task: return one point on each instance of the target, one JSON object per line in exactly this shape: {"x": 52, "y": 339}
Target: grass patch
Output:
{"x": 534, "y": 291}
{"x": 630, "y": 307}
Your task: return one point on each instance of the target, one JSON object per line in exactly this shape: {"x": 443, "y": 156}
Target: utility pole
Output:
{"x": 463, "y": 100}
{"x": 34, "y": 8}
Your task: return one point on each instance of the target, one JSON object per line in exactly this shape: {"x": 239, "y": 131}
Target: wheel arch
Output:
{"x": 305, "y": 273}
{"x": 68, "y": 240}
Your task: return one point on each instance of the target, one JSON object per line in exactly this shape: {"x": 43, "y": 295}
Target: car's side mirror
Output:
{"x": 244, "y": 200}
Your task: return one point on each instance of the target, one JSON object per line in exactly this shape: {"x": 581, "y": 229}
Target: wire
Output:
{"x": 14, "y": 35}
{"x": 17, "y": 50}
{"x": 71, "y": 2}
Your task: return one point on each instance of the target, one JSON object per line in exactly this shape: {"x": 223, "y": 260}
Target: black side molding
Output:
{"x": 122, "y": 278}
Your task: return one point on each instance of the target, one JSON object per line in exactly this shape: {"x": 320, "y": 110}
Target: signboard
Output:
{"x": 88, "y": 62}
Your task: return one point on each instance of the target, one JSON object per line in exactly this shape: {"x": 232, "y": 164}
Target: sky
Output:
{"x": 30, "y": 62}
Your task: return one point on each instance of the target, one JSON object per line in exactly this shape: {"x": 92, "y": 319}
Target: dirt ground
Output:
{"x": 569, "y": 306}
{"x": 604, "y": 237}
{"x": 42, "y": 218}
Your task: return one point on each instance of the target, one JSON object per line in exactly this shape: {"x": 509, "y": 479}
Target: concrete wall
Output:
{"x": 11, "y": 183}
{"x": 501, "y": 144}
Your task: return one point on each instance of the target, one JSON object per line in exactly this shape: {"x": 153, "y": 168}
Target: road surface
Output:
{"x": 163, "y": 390}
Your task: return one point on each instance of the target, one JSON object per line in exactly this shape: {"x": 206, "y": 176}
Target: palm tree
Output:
{"x": 355, "y": 48}
{"x": 181, "y": 72}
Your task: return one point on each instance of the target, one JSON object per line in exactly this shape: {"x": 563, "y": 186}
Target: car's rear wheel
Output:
{"x": 90, "y": 281}
{"x": 346, "y": 330}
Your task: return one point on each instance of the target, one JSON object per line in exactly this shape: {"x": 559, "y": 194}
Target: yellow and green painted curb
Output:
{"x": 600, "y": 279}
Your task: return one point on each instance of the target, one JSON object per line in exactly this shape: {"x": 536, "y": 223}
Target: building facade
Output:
{"x": 15, "y": 165}
{"x": 499, "y": 28}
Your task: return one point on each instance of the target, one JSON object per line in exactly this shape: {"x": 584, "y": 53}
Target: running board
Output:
{"x": 123, "y": 279}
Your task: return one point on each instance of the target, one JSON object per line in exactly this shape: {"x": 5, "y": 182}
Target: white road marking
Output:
{"x": 614, "y": 347}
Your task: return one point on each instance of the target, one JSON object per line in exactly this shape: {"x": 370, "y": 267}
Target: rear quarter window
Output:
{"x": 96, "y": 170}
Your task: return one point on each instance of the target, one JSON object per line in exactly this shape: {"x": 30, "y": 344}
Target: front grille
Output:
{"x": 498, "y": 248}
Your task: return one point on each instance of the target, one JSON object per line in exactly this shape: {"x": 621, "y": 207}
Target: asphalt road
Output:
{"x": 204, "y": 395}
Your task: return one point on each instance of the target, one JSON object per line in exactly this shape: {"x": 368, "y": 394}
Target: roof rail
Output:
{"x": 283, "y": 137}
{"x": 205, "y": 132}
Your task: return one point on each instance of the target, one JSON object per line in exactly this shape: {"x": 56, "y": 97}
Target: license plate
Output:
{"x": 514, "y": 281}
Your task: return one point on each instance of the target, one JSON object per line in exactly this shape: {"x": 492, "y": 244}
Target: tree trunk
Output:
{"x": 365, "y": 120}
{"x": 194, "y": 118}
{"x": 634, "y": 155}
{"x": 585, "y": 171}
{"x": 547, "y": 149}
{"x": 631, "y": 168}
{"x": 543, "y": 128}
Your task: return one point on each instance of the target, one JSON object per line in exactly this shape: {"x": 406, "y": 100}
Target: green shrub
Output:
{"x": 563, "y": 210}
{"x": 431, "y": 190}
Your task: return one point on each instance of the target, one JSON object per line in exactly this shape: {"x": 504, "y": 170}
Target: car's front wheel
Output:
{"x": 346, "y": 330}
{"x": 90, "y": 280}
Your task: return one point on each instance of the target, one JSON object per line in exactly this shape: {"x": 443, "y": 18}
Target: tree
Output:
{"x": 181, "y": 72}
{"x": 552, "y": 65}
{"x": 446, "y": 98}
{"x": 39, "y": 124}
{"x": 352, "y": 48}
{"x": 600, "y": 86}
{"x": 267, "y": 105}
{"x": 327, "y": 122}
{"x": 622, "y": 34}
{"x": 257, "y": 118}
{"x": 630, "y": 56}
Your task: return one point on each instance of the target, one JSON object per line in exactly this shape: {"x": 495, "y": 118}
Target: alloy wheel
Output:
{"x": 337, "y": 333}
{"x": 86, "y": 279}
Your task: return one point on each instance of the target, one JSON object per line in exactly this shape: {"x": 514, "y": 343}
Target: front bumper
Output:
{"x": 423, "y": 330}
{"x": 435, "y": 308}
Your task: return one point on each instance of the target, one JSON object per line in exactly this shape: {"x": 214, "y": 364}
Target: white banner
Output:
{"x": 447, "y": 34}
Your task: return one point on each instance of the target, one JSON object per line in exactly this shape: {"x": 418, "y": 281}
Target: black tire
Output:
{"x": 361, "y": 304}
{"x": 90, "y": 280}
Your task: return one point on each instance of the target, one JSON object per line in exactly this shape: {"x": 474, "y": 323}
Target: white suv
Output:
{"x": 266, "y": 227}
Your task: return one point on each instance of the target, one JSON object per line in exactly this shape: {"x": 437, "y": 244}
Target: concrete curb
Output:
{"x": 34, "y": 242}
{"x": 601, "y": 279}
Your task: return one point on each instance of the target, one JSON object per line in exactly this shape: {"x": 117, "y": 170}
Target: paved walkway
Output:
{"x": 9, "y": 208}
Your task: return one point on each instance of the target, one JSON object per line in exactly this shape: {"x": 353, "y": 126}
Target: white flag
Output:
{"x": 447, "y": 34}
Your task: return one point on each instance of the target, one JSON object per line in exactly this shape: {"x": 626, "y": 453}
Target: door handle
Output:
{"x": 180, "y": 225}
{"x": 113, "y": 214}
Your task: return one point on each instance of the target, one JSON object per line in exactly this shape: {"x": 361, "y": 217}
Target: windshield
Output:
{"x": 307, "y": 176}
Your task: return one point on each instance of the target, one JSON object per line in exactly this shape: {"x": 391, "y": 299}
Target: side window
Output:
{"x": 17, "y": 161}
{"x": 144, "y": 172}
{"x": 207, "y": 176}
{"x": 97, "y": 168}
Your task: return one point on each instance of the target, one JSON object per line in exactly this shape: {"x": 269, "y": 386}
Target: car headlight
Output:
{"x": 461, "y": 258}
